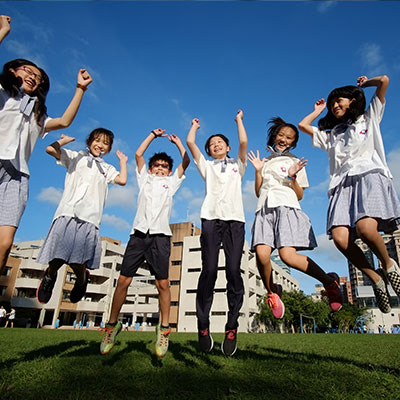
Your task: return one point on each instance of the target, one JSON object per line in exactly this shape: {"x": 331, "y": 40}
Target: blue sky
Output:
{"x": 160, "y": 64}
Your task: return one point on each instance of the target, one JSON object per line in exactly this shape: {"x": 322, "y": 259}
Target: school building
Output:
{"x": 23, "y": 274}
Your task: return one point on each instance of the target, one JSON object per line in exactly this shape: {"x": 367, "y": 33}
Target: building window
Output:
{"x": 177, "y": 262}
{"x": 195, "y": 249}
{"x": 174, "y": 283}
{"x": 3, "y": 290}
{"x": 190, "y": 313}
{"x": 220, "y": 290}
{"x": 107, "y": 265}
{"x": 6, "y": 271}
{"x": 218, "y": 313}
{"x": 174, "y": 303}
{"x": 175, "y": 244}
{"x": 191, "y": 291}
{"x": 194, "y": 269}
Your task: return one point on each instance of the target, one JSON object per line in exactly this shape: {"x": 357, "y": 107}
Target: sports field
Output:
{"x": 48, "y": 364}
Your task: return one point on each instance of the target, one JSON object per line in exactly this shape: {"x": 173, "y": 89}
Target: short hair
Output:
{"x": 207, "y": 145}
{"x": 11, "y": 85}
{"x": 163, "y": 157}
{"x": 356, "y": 108}
{"x": 277, "y": 123}
{"x": 98, "y": 132}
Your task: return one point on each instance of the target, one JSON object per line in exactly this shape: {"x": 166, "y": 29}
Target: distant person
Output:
{"x": 3, "y": 314}
{"x": 280, "y": 223}
{"x": 11, "y": 318}
{"x": 362, "y": 197}
{"x": 23, "y": 118}
{"x": 222, "y": 222}
{"x": 150, "y": 238}
{"x": 74, "y": 236}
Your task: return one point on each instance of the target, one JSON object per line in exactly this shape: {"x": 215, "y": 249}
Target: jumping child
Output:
{"x": 23, "y": 118}
{"x": 222, "y": 221}
{"x": 74, "y": 237}
{"x": 280, "y": 223}
{"x": 150, "y": 238}
{"x": 362, "y": 198}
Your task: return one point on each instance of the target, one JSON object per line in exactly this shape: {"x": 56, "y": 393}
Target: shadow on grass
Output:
{"x": 254, "y": 372}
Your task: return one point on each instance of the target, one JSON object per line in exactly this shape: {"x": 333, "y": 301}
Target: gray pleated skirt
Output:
{"x": 72, "y": 240}
{"x": 13, "y": 194}
{"x": 370, "y": 195}
{"x": 282, "y": 227}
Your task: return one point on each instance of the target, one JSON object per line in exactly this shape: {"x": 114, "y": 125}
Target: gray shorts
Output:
{"x": 13, "y": 194}
{"x": 72, "y": 240}
{"x": 371, "y": 195}
{"x": 282, "y": 227}
{"x": 154, "y": 249}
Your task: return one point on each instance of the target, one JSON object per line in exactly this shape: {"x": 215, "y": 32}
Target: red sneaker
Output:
{"x": 276, "y": 305}
{"x": 334, "y": 293}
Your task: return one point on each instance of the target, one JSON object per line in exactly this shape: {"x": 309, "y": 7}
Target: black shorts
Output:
{"x": 155, "y": 249}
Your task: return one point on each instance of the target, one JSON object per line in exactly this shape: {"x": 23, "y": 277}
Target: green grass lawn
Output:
{"x": 48, "y": 364}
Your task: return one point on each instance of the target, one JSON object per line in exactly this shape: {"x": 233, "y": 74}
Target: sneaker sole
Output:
{"x": 227, "y": 355}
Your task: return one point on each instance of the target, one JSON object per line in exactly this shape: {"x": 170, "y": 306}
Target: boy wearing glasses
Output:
{"x": 150, "y": 236}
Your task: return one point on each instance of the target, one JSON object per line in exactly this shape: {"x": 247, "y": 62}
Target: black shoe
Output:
{"x": 45, "y": 289}
{"x": 206, "y": 341}
{"x": 78, "y": 291}
{"x": 229, "y": 345}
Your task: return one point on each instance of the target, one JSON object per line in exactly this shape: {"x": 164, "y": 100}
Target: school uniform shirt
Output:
{"x": 86, "y": 186}
{"x": 19, "y": 130}
{"x": 275, "y": 189}
{"x": 355, "y": 148}
{"x": 155, "y": 201}
{"x": 223, "y": 188}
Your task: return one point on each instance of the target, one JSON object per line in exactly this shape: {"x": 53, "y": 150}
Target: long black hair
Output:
{"x": 11, "y": 85}
{"x": 356, "y": 107}
{"x": 277, "y": 123}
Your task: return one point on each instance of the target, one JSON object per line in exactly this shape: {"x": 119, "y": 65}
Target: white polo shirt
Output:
{"x": 155, "y": 201}
{"x": 18, "y": 133}
{"x": 356, "y": 148}
{"x": 223, "y": 189}
{"x": 275, "y": 189}
{"x": 86, "y": 188}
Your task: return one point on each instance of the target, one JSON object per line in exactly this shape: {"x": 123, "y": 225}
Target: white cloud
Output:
{"x": 326, "y": 248}
{"x": 249, "y": 197}
{"x": 122, "y": 196}
{"x": 372, "y": 59}
{"x": 21, "y": 50}
{"x": 50, "y": 195}
{"x": 324, "y": 6}
{"x": 394, "y": 165}
{"x": 116, "y": 222}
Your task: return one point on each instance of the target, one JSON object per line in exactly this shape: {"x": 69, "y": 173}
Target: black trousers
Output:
{"x": 231, "y": 235}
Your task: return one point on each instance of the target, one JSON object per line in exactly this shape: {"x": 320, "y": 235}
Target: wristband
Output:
{"x": 292, "y": 178}
{"x": 155, "y": 134}
{"x": 79, "y": 86}
{"x": 56, "y": 145}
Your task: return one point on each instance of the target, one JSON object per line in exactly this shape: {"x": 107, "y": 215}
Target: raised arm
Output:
{"x": 4, "y": 26}
{"x": 293, "y": 170}
{"x": 84, "y": 80}
{"x": 191, "y": 140}
{"x": 54, "y": 148}
{"x": 185, "y": 158}
{"x": 258, "y": 166}
{"x": 123, "y": 172}
{"x": 156, "y": 133}
{"x": 305, "y": 124}
{"x": 381, "y": 83}
{"x": 242, "y": 136}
